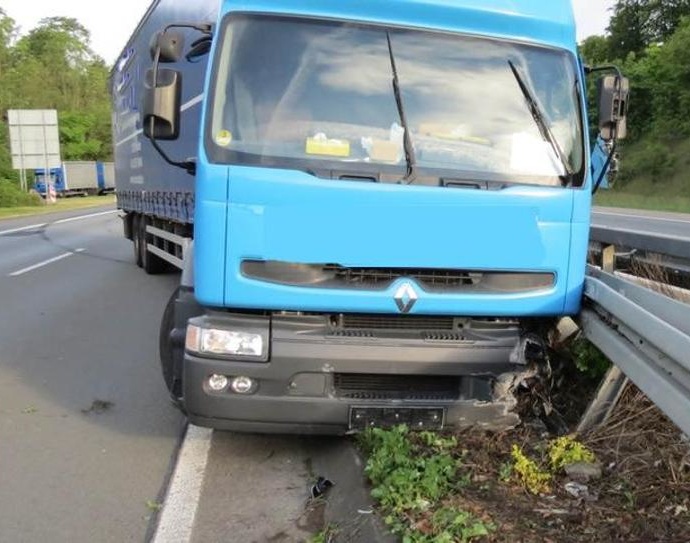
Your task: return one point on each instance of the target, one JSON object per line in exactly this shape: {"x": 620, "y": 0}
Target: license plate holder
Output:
{"x": 416, "y": 418}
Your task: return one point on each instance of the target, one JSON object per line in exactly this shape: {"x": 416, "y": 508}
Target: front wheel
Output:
{"x": 171, "y": 368}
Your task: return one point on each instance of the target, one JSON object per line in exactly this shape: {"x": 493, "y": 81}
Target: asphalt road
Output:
{"x": 86, "y": 431}
{"x": 651, "y": 222}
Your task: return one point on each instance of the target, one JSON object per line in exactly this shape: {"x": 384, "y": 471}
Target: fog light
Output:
{"x": 243, "y": 385}
{"x": 218, "y": 383}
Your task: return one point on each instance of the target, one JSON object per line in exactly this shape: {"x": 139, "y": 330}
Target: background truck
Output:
{"x": 78, "y": 178}
{"x": 379, "y": 214}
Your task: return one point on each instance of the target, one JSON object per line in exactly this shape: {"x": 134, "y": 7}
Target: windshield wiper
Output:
{"x": 410, "y": 159}
{"x": 543, "y": 126}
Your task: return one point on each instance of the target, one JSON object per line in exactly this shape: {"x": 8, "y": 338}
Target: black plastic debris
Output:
{"x": 320, "y": 488}
{"x": 98, "y": 407}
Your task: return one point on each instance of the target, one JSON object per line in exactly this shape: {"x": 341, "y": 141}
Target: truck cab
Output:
{"x": 391, "y": 209}
{"x": 56, "y": 179}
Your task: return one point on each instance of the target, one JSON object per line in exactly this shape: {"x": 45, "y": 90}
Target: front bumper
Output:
{"x": 298, "y": 388}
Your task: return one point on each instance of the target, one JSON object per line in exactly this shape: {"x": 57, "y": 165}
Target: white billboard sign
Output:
{"x": 34, "y": 138}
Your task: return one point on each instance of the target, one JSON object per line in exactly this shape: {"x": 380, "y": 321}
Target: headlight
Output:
{"x": 216, "y": 341}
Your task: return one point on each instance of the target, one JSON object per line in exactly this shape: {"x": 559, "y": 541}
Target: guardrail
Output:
{"x": 645, "y": 333}
{"x": 670, "y": 253}
{"x": 668, "y": 246}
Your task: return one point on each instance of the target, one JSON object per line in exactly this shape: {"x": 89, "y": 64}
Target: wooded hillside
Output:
{"x": 650, "y": 41}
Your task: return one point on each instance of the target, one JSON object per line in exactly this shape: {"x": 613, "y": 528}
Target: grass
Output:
{"x": 653, "y": 176}
{"x": 63, "y": 204}
{"x": 661, "y": 202}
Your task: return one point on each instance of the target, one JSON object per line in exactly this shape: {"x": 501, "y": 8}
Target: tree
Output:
{"x": 637, "y": 24}
{"x": 665, "y": 17}
{"x": 595, "y": 50}
{"x": 53, "y": 67}
{"x": 629, "y": 28}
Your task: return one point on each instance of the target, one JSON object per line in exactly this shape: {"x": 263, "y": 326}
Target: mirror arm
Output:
{"x": 204, "y": 28}
{"x": 605, "y": 169}
{"x": 188, "y": 165}
{"x": 604, "y": 68}
{"x": 610, "y": 144}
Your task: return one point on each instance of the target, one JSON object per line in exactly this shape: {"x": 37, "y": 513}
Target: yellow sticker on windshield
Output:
{"x": 224, "y": 138}
{"x": 320, "y": 145}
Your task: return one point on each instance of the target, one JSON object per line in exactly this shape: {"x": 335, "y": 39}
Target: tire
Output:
{"x": 136, "y": 240}
{"x": 172, "y": 372}
{"x": 151, "y": 264}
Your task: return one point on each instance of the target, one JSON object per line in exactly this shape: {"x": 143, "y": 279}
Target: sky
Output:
{"x": 111, "y": 23}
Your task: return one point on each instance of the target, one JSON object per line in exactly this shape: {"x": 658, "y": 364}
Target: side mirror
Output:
{"x": 170, "y": 45}
{"x": 162, "y": 104}
{"x": 613, "y": 107}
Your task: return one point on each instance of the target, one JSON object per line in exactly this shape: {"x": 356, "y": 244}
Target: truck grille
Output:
{"x": 376, "y": 277}
{"x": 356, "y": 386}
{"x": 395, "y": 322}
{"x": 334, "y": 276}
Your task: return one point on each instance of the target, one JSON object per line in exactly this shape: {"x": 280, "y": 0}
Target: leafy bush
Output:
{"x": 13, "y": 196}
{"x": 653, "y": 160}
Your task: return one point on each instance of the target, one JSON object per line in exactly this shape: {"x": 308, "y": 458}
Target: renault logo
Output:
{"x": 406, "y": 297}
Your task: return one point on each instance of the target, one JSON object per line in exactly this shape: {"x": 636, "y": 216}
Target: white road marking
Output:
{"x": 643, "y": 217}
{"x": 61, "y": 221}
{"x": 22, "y": 229}
{"x": 82, "y": 217}
{"x": 176, "y": 521}
{"x": 45, "y": 263}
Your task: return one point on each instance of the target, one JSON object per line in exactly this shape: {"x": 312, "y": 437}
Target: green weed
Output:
{"x": 413, "y": 476}
{"x": 153, "y": 506}
{"x": 326, "y": 535}
{"x": 505, "y": 472}
{"x": 565, "y": 451}
{"x": 529, "y": 474}
{"x": 590, "y": 360}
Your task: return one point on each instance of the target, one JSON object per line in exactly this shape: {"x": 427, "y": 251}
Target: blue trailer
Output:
{"x": 379, "y": 213}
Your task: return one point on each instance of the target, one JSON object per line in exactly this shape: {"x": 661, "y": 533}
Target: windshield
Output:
{"x": 321, "y": 94}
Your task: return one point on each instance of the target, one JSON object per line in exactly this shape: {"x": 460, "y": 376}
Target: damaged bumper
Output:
{"x": 329, "y": 374}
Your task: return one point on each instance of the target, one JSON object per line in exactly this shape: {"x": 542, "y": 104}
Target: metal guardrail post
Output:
{"x": 604, "y": 402}
{"x": 608, "y": 258}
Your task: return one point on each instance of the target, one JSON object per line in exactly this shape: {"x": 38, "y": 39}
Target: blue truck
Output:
{"x": 77, "y": 178}
{"x": 379, "y": 213}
